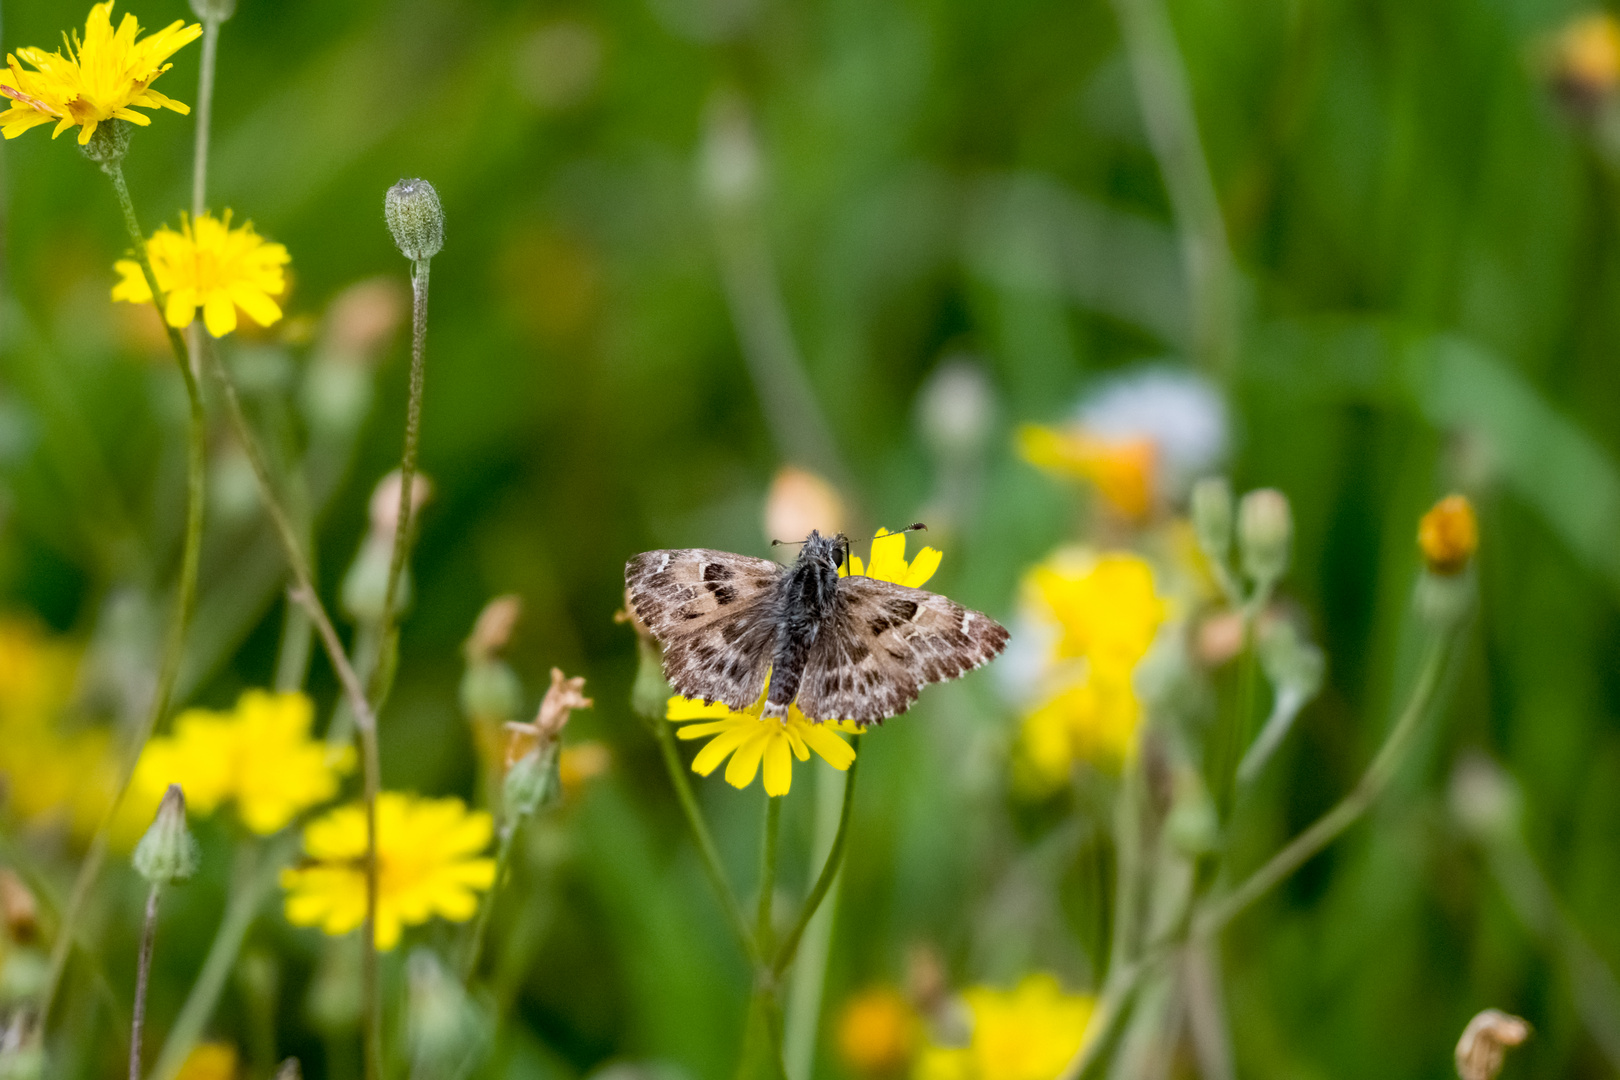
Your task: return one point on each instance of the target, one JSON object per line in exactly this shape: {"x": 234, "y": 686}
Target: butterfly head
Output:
{"x": 825, "y": 552}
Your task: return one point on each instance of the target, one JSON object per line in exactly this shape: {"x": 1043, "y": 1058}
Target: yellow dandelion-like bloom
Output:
{"x": 209, "y": 1061}
{"x": 1105, "y": 612}
{"x": 209, "y": 265}
{"x": 1122, "y": 470}
{"x": 430, "y": 861}
{"x": 106, "y": 75}
{"x": 878, "y": 1032}
{"x": 1028, "y": 1033}
{"x": 259, "y": 754}
{"x": 750, "y": 740}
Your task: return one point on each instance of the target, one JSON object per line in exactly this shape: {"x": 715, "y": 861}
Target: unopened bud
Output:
{"x": 289, "y": 1070}
{"x": 1485, "y": 1042}
{"x": 531, "y": 781}
{"x": 1265, "y": 532}
{"x": 385, "y": 503}
{"x": 213, "y": 10}
{"x": 956, "y": 407}
{"x": 493, "y": 630}
{"x": 1448, "y": 535}
{"x": 1484, "y": 799}
{"x": 1192, "y": 824}
{"x": 442, "y": 1023}
{"x": 730, "y": 167}
{"x": 491, "y": 691}
{"x": 168, "y": 853}
{"x": 799, "y": 501}
{"x": 415, "y": 218}
{"x": 1212, "y": 517}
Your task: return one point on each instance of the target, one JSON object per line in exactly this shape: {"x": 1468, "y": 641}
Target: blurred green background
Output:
{"x": 1427, "y": 253}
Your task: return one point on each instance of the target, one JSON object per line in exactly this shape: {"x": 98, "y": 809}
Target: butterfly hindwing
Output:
{"x": 715, "y": 613}
{"x": 884, "y": 643}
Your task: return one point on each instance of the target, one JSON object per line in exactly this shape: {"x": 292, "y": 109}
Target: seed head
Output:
{"x": 168, "y": 854}
{"x": 415, "y": 218}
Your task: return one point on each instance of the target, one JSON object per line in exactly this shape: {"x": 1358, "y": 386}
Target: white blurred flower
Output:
{"x": 1182, "y": 413}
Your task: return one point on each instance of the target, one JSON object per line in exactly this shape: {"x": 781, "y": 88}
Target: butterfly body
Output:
{"x": 851, "y": 648}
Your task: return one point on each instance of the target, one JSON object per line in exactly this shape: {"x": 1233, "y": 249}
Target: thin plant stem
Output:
{"x": 205, "y": 113}
{"x": 829, "y": 871}
{"x": 184, "y": 606}
{"x": 143, "y": 974}
{"x": 365, "y": 720}
{"x": 252, "y": 885}
{"x": 708, "y": 853}
{"x": 382, "y": 674}
{"x": 767, "y": 873}
{"x": 1165, "y": 96}
{"x": 804, "y": 992}
{"x": 503, "y": 863}
{"x": 1327, "y": 828}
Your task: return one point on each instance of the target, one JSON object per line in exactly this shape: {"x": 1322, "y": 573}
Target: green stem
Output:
{"x": 829, "y": 871}
{"x": 382, "y": 675}
{"x": 251, "y": 887}
{"x": 365, "y": 719}
{"x": 705, "y": 843}
{"x": 767, "y": 874}
{"x": 143, "y": 976}
{"x": 503, "y": 861}
{"x": 180, "y": 622}
{"x": 1349, "y": 809}
{"x": 205, "y": 112}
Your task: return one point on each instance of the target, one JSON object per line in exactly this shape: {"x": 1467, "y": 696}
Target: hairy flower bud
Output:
{"x": 1212, "y": 516}
{"x": 1265, "y": 533}
{"x": 213, "y": 10}
{"x": 168, "y": 853}
{"x": 108, "y": 144}
{"x": 415, "y": 218}
{"x": 1448, "y": 535}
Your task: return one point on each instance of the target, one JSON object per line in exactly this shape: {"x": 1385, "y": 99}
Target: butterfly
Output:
{"x": 841, "y": 648}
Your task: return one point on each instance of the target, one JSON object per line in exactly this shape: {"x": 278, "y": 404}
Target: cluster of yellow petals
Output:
{"x": 430, "y": 861}
{"x": 751, "y": 741}
{"x": 53, "y": 774}
{"x": 1122, "y": 470}
{"x": 1028, "y": 1033}
{"x": 1104, "y": 613}
{"x": 209, "y": 265}
{"x": 105, "y": 75}
{"x": 1448, "y": 535}
{"x": 259, "y": 755}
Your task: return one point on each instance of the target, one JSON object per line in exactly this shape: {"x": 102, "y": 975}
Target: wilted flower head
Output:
{"x": 210, "y": 266}
{"x": 564, "y": 696}
{"x": 1485, "y": 1043}
{"x": 106, "y": 75}
{"x": 430, "y": 862}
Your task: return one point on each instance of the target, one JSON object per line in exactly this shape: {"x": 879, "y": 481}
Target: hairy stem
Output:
{"x": 829, "y": 871}
{"x": 180, "y": 621}
{"x": 382, "y": 674}
{"x": 205, "y": 112}
{"x": 143, "y": 974}
{"x": 767, "y": 874}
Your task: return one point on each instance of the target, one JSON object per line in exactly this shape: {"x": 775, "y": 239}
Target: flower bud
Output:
{"x": 213, "y": 10}
{"x": 1448, "y": 535}
{"x": 493, "y": 630}
{"x": 956, "y": 407}
{"x": 1265, "y": 532}
{"x": 1212, "y": 517}
{"x": 730, "y": 167}
{"x": 490, "y": 691}
{"x": 415, "y": 218}
{"x": 799, "y": 501}
{"x": 168, "y": 853}
{"x": 1192, "y": 824}
{"x": 531, "y": 781}
{"x": 441, "y": 1021}
{"x": 1484, "y": 799}
{"x": 1485, "y": 1042}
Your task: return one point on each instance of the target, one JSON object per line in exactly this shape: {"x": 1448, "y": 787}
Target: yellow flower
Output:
{"x": 750, "y": 740}
{"x": 429, "y": 860}
{"x": 1448, "y": 535}
{"x": 105, "y": 75}
{"x": 878, "y": 1032}
{"x": 1121, "y": 469}
{"x": 1028, "y": 1033}
{"x": 209, "y": 265}
{"x": 1105, "y": 612}
{"x": 209, "y": 1061}
{"x": 260, "y": 754}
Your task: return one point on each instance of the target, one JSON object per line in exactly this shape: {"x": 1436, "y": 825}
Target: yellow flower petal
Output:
{"x": 745, "y": 762}
{"x": 778, "y": 765}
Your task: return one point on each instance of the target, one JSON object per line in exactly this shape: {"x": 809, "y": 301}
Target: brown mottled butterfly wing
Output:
{"x": 716, "y": 614}
{"x": 884, "y": 643}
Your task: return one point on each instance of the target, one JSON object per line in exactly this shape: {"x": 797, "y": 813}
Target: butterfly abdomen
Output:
{"x": 809, "y": 592}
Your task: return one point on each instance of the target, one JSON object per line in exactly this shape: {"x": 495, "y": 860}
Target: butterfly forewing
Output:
{"x": 715, "y": 613}
{"x": 884, "y": 643}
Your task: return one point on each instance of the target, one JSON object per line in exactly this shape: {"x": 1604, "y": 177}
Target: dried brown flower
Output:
{"x": 1485, "y": 1041}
